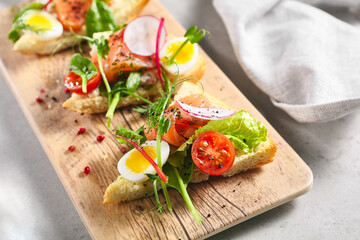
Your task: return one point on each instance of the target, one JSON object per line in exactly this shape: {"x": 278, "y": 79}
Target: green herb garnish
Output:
{"x": 84, "y": 68}
{"x": 99, "y": 18}
{"x": 137, "y": 136}
{"x": 141, "y": 109}
{"x": 179, "y": 178}
{"x": 18, "y": 24}
{"x": 244, "y": 131}
{"x": 119, "y": 90}
{"x": 193, "y": 35}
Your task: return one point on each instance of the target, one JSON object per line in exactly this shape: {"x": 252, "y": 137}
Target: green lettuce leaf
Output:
{"x": 99, "y": 18}
{"x": 245, "y": 132}
{"x": 179, "y": 178}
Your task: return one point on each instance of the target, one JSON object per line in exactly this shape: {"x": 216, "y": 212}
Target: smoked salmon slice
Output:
{"x": 71, "y": 13}
{"x": 183, "y": 125}
{"x": 120, "y": 59}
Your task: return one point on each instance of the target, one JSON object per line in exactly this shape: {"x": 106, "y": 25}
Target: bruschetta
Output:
{"x": 253, "y": 147}
{"x": 45, "y": 28}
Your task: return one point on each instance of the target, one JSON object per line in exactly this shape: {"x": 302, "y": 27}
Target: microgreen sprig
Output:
{"x": 193, "y": 35}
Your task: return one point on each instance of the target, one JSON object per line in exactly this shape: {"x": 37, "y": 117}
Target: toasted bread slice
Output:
{"x": 122, "y": 10}
{"x": 99, "y": 104}
{"x": 125, "y": 190}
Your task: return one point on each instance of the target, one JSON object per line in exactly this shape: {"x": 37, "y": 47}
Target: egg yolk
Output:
{"x": 184, "y": 56}
{"x": 137, "y": 163}
{"x": 39, "y": 23}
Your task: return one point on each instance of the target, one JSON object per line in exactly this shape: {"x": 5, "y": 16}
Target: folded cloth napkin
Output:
{"x": 305, "y": 59}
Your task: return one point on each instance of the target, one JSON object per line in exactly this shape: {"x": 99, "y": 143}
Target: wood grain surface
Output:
{"x": 222, "y": 202}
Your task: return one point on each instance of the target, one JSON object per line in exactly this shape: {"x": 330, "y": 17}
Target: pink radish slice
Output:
{"x": 206, "y": 113}
{"x": 141, "y": 33}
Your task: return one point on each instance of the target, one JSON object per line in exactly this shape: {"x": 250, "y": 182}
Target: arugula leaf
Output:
{"x": 242, "y": 129}
{"x": 99, "y": 18}
{"x": 137, "y": 136}
{"x": 185, "y": 173}
{"x": 177, "y": 159}
{"x": 84, "y": 68}
{"x": 180, "y": 178}
{"x": 18, "y": 25}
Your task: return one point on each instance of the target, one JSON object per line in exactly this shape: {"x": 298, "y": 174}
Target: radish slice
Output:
{"x": 206, "y": 113}
{"x": 141, "y": 33}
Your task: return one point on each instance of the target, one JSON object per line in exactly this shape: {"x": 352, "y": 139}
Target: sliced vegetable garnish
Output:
{"x": 73, "y": 83}
{"x": 46, "y": 5}
{"x": 158, "y": 51}
{"x": 140, "y": 35}
{"x": 151, "y": 161}
{"x": 244, "y": 131}
{"x": 192, "y": 35}
{"x": 213, "y": 153}
{"x": 206, "y": 113}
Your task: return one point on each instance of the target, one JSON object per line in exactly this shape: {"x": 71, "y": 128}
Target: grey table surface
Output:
{"x": 35, "y": 205}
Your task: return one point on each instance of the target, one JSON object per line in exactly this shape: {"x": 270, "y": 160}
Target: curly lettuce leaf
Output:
{"x": 244, "y": 131}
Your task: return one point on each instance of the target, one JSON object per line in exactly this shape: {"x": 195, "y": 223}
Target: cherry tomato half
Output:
{"x": 73, "y": 82}
{"x": 213, "y": 153}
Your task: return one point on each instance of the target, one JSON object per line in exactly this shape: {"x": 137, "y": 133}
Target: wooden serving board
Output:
{"x": 222, "y": 202}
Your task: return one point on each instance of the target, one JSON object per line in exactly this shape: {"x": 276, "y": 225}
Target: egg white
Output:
{"x": 181, "y": 68}
{"x": 55, "y": 31}
{"x": 141, "y": 177}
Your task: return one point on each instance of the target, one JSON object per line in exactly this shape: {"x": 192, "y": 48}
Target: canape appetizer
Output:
{"x": 127, "y": 66}
{"x": 46, "y": 28}
{"x": 206, "y": 138}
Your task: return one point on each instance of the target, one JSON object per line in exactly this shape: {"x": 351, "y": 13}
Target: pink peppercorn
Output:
{"x": 87, "y": 170}
{"x": 71, "y": 148}
{"x": 39, "y": 99}
{"x": 100, "y": 138}
{"x": 81, "y": 131}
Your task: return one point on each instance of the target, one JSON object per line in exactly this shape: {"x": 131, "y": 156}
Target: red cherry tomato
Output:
{"x": 73, "y": 82}
{"x": 213, "y": 153}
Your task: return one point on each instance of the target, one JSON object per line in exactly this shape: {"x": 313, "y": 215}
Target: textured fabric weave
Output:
{"x": 305, "y": 59}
